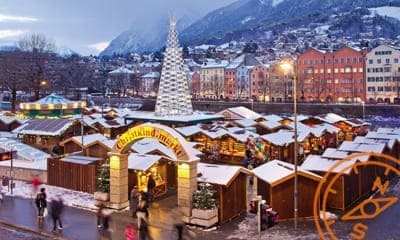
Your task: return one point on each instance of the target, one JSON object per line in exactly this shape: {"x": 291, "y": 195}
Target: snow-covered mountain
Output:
{"x": 250, "y": 19}
{"x": 144, "y": 38}
{"x": 246, "y": 20}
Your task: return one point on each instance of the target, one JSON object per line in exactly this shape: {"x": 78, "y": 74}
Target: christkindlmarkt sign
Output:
{"x": 159, "y": 134}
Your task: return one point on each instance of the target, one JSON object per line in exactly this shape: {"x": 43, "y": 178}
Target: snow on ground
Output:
{"x": 393, "y": 12}
{"x": 70, "y": 197}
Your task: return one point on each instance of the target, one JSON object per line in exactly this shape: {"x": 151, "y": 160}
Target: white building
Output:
{"x": 383, "y": 74}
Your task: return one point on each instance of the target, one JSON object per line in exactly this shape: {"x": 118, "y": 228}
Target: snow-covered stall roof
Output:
{"x": 27, "y": 156}
{"x": 321, "y": 164}
{"x": 331, "y": 118}
{"x": 245, "y": 122}
{"x": 148, "y": 145}
{"x": 389, "y": 142}
{"x": 87, "y": 139}
{"x": 8, "y": 120}
{"x": 276, "y": 171}
{"x": 239, "y": 113}
{"x": 219, "y": 174}
{"x": 83, "y": 160}
{"x": 270, "y": 124}
{"x": 351, "y": 146}
{"x": 189, "y": 130}
{"x": 333, "y": 153}
{"x": 142, "y": 162}
{"x": 45, "y": 127}
{"x": 284, "y": 137}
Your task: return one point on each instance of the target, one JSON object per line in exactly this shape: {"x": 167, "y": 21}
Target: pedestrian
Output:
{"x": 130, "y": 232}
{"x": 151, "y": 183}
{"x": 142, "y": 212}
{"x": 35, "y": 181}
{"x": 106, "y": 231}
{"x": 57, "y": 206}
{"x": 100, "y": 215}
{"x": 41, "y": 204}
{"x": 134, "y": 200}
{"x": 144, "y": 233}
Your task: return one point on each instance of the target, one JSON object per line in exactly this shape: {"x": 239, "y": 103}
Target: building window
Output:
{"x": 321, "y": 70}
{"x": 360, "y": 60}
{"x": 387, "y": 69}
{"x": 342, "y": 70}
{"x": 329, "y": 61}
{"x": 336, "y": 70}
{"x": 371, "y": 89}
{"x": 328, "y": 70}
{"x": 379, "y": 61}
{"x": 354, "y": 70}
{"x": 360, "y": 70}
{"x": 371, "y": 61}
{"x": 354, "y": 60}
{"x": 336, "y": 60}
{"x": 348, "y": 60}
{"x": 387, "y": 60}
{"x": 322, "y": 61}
{"x": 396, "y": 60}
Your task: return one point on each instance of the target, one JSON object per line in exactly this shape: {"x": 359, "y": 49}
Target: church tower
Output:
{"x": 173, "y": 98}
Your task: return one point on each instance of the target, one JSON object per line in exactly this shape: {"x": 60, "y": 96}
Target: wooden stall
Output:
{"x": 350, "y": 186}
{"x": 163, "y": 170}
{"x": 73, "y": 172}
{"x": 231, "y": 188}
{"x": 275, "y": 183}
{"x": 7, "y": 124}
{"x": 45, "y": 134}
{"x": 95, "y": 145}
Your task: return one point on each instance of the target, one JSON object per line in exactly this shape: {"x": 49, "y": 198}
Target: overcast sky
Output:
{"x": 87, "y": 26}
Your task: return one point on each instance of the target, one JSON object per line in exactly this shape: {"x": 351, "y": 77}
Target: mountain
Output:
{"x": 251, "y": 19}
{"x": 141, "y": 39}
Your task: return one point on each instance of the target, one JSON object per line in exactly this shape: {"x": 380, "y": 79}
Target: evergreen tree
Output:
{"x": 203, "y": 198}
{"x": 103, "y": 179}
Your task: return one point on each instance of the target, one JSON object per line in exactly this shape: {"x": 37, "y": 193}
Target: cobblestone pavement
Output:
{"x": 8, "y": 233}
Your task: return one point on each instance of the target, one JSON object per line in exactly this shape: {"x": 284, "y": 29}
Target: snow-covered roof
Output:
{"x": 52, "y": 101}
{"x": 122, "y": 70}
{"x": 334, "y": 153}
{"x": 270, "y": 124}
{"x": 275, "y": 171}
{"x": 240, "y": 113}
{"x": 331, "y": 118}
{"x": 44, "y": 127}
{"x": 27, "y": 156}
{"x": 151, "y": 75}
{"x": 211, "y": 173}
{"x": 87, "y": 139}
{"x": 389, "y": 142}
{"x": 142, "y": 162}
{"x": 272, "y": 117}
{"x": 147, "y": 145}
{"x": 189, "y": 130}
{"x": 321, "y": 164}
{"x": 284, "y": 137}
{"x": 245, "y": 122}
{"x": 8, "y": 120}
{"x": 351, "y": 146}
{"x": 395, "y": 131}
{"x": 84, "y": 160}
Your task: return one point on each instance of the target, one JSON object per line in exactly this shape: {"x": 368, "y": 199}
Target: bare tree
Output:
{"x": 10, "y": 77}
{"x": 217, "y": 86}
{"x": 37, "y": 51}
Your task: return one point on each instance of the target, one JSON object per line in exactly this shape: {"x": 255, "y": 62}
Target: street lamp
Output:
{"x": 286, "y": 66}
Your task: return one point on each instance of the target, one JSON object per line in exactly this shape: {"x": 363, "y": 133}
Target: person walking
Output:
{"x": 134, "y": 200}
{"x": 56, "y": 208}
{"x": 100, "y": 215}
{"x": 144, "y": 233}
{"x": 142, "y": 212}
{"x": 106, "y": 231}
{"x": 41, "y": 203}
{"x": 151, "y": 183}
{"x": 130, "y": 232}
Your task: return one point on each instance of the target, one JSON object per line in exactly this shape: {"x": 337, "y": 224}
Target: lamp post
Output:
{"x": 288, "y": 67}
{"x": 251, "y": 101}
{"x": 363, "y": 110}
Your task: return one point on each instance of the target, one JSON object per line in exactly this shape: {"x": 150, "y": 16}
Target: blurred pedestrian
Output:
{"x": 56, "y": 206}
{"x": 134, "y": 200}
{"x": 100, "y": 215}
{"x": 35, "y": 181}
{"x": 130, "y": 232}
{"x": 151, "y": 183}
{"x": 144, "y": 233}
{"x": 41, "y": 204}
{"x": 106, "y": 221}
{"x": 142, "y": 212}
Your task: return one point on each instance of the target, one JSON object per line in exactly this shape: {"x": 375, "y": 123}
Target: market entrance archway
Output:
{"x": 187, "y": 163}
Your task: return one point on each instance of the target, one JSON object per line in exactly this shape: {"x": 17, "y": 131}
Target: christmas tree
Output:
{"x": 103, "y": 179}
{"x": 203, "y": 198}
